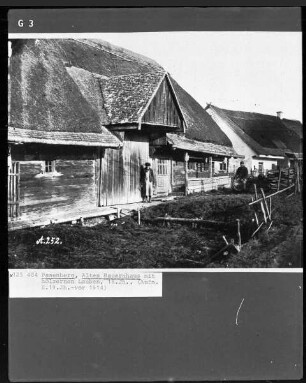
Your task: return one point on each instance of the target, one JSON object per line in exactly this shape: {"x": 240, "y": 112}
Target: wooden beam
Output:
{"x": 271, "y": 195}
{"x": 186, "y": 159}
{"x": 257, "y": 229}
{"x": 265, "y": 203}
{"x": 279, "y": 178}
{"x": 184, "y": 220}
{"x": 255, "y": 190}
{"x": 263, "y": 211}
{"x": 239, "y": 234}
{"x": 210, "y": 166}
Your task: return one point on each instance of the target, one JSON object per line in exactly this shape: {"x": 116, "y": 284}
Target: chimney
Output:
{"x": 279, "y": 114}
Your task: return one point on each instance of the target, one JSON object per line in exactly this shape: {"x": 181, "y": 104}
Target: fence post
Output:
{"x": 279, "y": 178}
{"x": 288, "y": 183}
{"x": 265, "y": 203}
{"x": 255, "y": 190}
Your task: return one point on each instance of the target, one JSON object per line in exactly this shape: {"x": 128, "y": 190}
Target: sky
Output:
{"x": 250, "y": 71}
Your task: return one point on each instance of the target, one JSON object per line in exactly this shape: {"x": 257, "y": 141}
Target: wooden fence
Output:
{"x": 281, "y": 178}
{"x": 13, "y": 190}
{"x": 197, "y": 185}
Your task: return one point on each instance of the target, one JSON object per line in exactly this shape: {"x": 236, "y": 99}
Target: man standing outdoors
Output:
{"x": 242, "y": 174}
{"x": 146, "y": 182}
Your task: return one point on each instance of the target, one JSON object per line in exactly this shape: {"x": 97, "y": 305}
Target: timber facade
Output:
{"x": 85, "y": 117}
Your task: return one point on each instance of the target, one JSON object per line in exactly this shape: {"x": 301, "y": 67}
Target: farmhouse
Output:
{"x": 84, "y": 116}
{"x": 266, "y": 141}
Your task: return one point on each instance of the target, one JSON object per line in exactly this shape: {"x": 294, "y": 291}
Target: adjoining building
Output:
{"x": 266, "y": 141}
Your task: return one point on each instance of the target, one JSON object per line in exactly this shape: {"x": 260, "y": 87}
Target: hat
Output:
{"x": 147, "y": 164}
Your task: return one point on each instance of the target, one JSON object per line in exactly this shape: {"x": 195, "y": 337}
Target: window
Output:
{"x": 162, "y": 167}
{"x": 48, "y": 170}
{"x": 192, "y": 165}
{"x": 200, "y": 167}
{"x": 223, "y": 166}
{"x": 49, "y": 166}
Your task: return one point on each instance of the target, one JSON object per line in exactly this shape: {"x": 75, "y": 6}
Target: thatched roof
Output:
{"x": 265, "y": 134}
{"x": 78, "y": 86}
{"x": 294, "y": 125}
{"x": 199, "y": 124}
{"x": 126, "y": 97}
{"x": 53, "y": 87}
{"x": 184, "y": 143}
{"x": 103, "y": 139}
{"x": 101, "y": 57}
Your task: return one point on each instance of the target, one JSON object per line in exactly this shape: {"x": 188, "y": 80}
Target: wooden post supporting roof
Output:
{"x": 210, "y": 167}
{"x": 186, "y": 159}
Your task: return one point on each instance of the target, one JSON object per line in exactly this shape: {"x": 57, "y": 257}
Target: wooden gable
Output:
{"x": 163, "y": 109}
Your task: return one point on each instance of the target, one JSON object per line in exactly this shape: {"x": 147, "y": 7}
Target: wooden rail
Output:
{"x": 271, "y": 195}
{"x": 184, "y": 220}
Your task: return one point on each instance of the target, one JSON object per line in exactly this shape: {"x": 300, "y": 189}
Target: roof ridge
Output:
{"x": 242, "y": 111}
{"x": 256, "y": 113}
{"x": 87, "y": 42}
{"x": 132, "y": 56}
{"x": 138, "y": 74}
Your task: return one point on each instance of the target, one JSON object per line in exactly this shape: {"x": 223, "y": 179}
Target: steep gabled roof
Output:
{"x": 107, "y": 59}
{"x": 126, "y": 97}
{"x": 78, "y": 86}
{"x": 199, "y": 124}
{"x": 46, "y": 98}
{"x": 265, "y": 134}
{"x": 53, "y": 84}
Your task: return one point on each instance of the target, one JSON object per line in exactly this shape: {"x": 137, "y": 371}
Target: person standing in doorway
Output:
{"x": 146, "y": 181}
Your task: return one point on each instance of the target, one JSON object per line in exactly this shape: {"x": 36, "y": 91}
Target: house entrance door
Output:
{"x": 163, "y": 185}
{"x": 13, "y": 190}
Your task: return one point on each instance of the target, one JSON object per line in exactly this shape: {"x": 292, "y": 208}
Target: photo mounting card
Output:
{"x": 154, "y": 194}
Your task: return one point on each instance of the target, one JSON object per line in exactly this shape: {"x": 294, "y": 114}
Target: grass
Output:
{"x": 124, "y": 244}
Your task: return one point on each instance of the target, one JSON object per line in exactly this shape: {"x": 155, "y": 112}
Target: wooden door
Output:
{"x": 13, "y": 190}
{"x": 163, "y": 185}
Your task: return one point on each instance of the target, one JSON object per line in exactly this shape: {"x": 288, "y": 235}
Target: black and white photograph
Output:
{"x": 154, "y": 181}
{"x": 155, "y": 150}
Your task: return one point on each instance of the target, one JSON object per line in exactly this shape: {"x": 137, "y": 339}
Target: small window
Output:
{"x": 200, "y": 167}
{"x": 223, "y": 166}
{"x": 162, "y": 167}
{"x": 192, "y": 165}
{"x": 49, "y": 166}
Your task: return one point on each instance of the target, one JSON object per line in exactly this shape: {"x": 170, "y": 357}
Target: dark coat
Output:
{"x": 143, "y": 176}
{"x": 242, "y": 172}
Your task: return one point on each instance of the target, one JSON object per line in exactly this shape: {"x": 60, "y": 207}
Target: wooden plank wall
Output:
{"x": 120, "y": 171}
{"x": 48, "y": 196}
{"x": 163, "y": 110}
{"x": 178, "y": 174}
{"x": 13, "y": 190}
{"x": 136, "y": 154}
{"x": 111, "y": 180}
